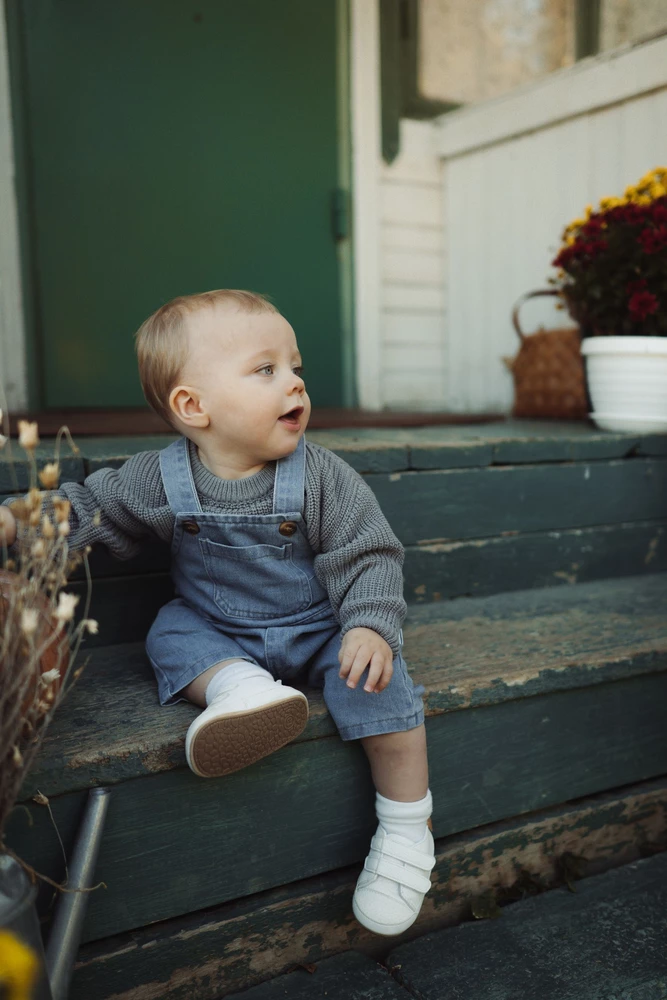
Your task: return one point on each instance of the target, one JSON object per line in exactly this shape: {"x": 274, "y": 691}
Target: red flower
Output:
{"x": 642, "y": 304}
{"x": 593, "y": 227}
{"x": 659, "y": 211}
{"x": 653, "y": 240}
{"x": 636, "y": 286}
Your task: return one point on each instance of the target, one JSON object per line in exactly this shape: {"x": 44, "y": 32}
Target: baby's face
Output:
{"x": 247, "y": 370}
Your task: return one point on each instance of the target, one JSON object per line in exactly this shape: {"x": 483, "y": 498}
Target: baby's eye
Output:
{"x": 266, "y": 368}
{"x": 298, "y": 369}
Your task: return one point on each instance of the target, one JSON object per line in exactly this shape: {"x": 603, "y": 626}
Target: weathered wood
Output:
{"x": 350, "y": 976}
{"x": 15, "y": 471}
{"x": 470, "y": 652}
{"x": 383, "y": 449}
{"x": 124, "y": 607}
{"x": 488, "y": 764}
{"x": 241, "y": 943}
{"x": 483, "y": 566}
{"x": 606, "y": 940}
{"x": 426, "y": 507}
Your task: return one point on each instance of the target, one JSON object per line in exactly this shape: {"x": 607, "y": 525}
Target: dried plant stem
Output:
{"x": 34, "y": 875}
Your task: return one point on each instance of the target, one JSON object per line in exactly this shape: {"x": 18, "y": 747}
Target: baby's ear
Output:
{"x": 185, "y": 403}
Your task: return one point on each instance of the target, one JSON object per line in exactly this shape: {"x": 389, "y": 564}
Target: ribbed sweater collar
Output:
{"x": 230, "y": 490}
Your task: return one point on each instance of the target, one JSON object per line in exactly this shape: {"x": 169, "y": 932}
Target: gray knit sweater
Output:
{"x": 358, "y": 559}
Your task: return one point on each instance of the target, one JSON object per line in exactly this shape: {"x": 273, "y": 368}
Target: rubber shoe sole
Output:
{"x": 234, "y": 741}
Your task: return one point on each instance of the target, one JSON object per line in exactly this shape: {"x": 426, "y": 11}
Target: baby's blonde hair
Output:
{"x": 162, "y": 345}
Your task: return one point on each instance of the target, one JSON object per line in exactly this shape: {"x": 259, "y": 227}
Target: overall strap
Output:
{"x": 179, "y": 484}
{"x": 290, "y": 481}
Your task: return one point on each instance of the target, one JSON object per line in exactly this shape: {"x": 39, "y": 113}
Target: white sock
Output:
{"x": 239, "y": 670}
{"x": 407, "y": 819}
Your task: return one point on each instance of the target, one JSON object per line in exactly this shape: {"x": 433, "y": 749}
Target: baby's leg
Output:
{"x": 196, "y": 690}
{"x": 396, "y": 875}
{"x": 399, "y": 764}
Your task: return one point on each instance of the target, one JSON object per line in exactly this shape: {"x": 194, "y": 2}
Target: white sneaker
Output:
{"x": 395, "y": 879}
{"x": 244, "y": 723}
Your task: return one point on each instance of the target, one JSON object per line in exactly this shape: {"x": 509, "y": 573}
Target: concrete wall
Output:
{"x": 482, "y": 48}
{"x": 625, "y": 21}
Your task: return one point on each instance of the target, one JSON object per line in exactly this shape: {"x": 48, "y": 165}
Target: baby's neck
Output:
{"x": 228, "y": 466}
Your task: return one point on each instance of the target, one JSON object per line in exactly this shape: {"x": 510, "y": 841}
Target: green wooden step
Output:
{"x": 533, "y": 698}
{"x": 606, "y": 941}
{"x": 238, "y": 944}
{"x": 480, "y": 509}
{"x": 350, "y": 976}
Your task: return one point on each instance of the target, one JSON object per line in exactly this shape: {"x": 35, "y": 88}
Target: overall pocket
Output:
{"x": 255, "y": 581}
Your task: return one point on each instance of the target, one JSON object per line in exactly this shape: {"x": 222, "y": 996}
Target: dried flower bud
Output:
{"x": 40, "y": 799}
{"x": 35, "y": 499}
{"x": 35, "y": 518}
{"x": 91, "y": 625}
{"x": 20, "y": 510}
{"x": 10, "y": 565}
{"x": 28, "y": 435}
{"x": 38, "y": 549}
{"x": 17, "y": 759}
{"x": 66, "y": 605}
{"x": 43, "y": 707}
{"x": 29, "y": 619}
{"x": 49, "y": 676}
{"x": 62, "y": 508}
{"x": 63, "y": 529}
{"x": 47, "y": 527}
{"x": 50, "y": 475}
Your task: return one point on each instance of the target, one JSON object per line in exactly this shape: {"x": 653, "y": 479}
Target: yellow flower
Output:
{"x": 657, "y": 190}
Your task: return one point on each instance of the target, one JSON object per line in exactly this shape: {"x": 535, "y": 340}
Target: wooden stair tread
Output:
{"x": 605, "y": 940}
{"x": 467, "y": 653}
{"x": 350, "y": 976}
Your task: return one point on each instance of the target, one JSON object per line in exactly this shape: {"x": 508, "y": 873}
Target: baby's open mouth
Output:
{"x": 292, "y": 416}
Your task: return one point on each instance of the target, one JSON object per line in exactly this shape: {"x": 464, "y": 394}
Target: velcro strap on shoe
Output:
{"x": 404, "y": 876}
{"x": 402, "y": 852}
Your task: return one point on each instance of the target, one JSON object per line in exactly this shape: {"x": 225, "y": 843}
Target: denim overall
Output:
{"x": 247, "y": 589}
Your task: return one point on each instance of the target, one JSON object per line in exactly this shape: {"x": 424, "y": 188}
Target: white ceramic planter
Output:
{"x": 627, "y": 382}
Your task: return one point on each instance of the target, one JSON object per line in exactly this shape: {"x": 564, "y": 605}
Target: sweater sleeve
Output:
{"x": 360, "y": 559}
{"x": 117, "y": 507}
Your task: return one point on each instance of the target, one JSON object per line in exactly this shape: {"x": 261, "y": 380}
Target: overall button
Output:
{"x": 287, "y": 528}
{"x": 191, "y": 527}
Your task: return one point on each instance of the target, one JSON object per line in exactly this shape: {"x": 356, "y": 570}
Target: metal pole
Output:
{"x": 68, "y": 924}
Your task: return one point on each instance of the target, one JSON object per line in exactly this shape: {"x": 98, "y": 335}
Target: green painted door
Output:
{"x": 175, "y": 146}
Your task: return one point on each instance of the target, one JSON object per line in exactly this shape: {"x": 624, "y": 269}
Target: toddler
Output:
{"x": 285, "y": 569}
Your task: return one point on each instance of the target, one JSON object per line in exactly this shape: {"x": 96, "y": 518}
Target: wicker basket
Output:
{"x": 548, "y": 371}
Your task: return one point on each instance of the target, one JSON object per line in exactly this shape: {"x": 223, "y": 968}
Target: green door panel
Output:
{"x": 177, "y": 146}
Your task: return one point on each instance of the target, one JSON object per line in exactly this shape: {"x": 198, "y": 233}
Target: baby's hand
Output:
{"x": 7, "y": 526}
{"x": 361, "y": 647}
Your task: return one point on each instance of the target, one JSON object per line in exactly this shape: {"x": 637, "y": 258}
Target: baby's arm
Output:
{"x": 116, "y": 507}
{"x": 360, "y": 563}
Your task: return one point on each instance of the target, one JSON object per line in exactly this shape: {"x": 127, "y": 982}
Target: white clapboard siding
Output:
{"x": 412, "y": 269}
{"x": 512, "y": 181}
